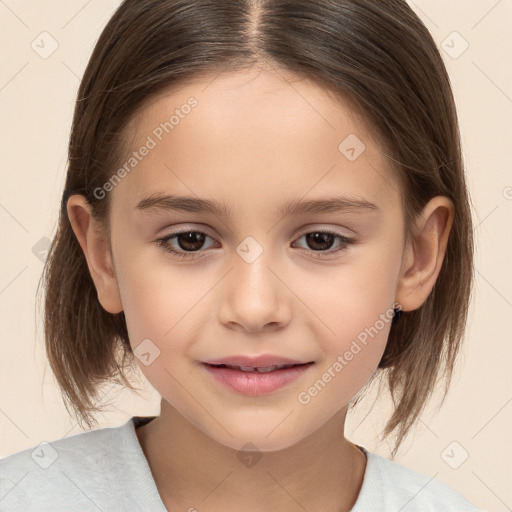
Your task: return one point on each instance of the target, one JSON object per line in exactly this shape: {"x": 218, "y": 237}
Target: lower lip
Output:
{"x": 253, "y": 383}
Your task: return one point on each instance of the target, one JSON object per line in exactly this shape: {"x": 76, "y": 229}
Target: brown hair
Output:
{"x": 379, "y": 54}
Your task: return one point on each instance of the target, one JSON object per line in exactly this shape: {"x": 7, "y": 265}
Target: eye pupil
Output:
{"x": 320, "y": 238}
{"x": 190, "y": 240}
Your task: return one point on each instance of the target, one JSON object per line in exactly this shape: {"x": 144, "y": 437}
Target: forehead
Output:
{"x": 229, "y": 97}
{"x": 257, "y": 134}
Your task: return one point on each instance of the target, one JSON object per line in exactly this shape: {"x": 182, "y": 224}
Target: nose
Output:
{"x": 253, "y": 296}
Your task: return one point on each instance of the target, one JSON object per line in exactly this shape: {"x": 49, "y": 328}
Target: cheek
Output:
{"x": 164, "y": 308}
{"x": 351, "y": 359}
{"x": 343, "y": 301}
{"x": 157, "y": 313}
{"x": 352, "y": 314}
{"x": 157, "y": 298}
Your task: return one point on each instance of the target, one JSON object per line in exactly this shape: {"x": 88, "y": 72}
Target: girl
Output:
{"x": 265, "y": 210}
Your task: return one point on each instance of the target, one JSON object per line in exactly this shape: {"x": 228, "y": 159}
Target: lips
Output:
{"x": 259, "y": 369}
{"x": 256, "y": 375}
{"x": 260, "y": 361}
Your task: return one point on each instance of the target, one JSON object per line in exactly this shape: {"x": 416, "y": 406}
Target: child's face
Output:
{"x": 257, "y": 285}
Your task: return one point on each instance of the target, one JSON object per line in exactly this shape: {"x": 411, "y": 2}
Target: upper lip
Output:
{"x": 260, "y": 361}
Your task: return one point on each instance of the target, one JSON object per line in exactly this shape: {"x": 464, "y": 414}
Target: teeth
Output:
{"x": 245, "y": 368}
{"x": 264, "y": 369}
{"x": 267, "y": 369}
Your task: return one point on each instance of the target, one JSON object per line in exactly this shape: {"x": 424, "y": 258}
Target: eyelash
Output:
{"x": 163, "y": 243}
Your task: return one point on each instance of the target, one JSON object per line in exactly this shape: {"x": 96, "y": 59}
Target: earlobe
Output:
{"x": 94, "y": 245}
{"x": 423, "y": 256}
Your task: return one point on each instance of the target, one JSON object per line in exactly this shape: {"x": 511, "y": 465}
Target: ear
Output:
{"x": 423, "y": 256}
{"x": 94, "y": 244}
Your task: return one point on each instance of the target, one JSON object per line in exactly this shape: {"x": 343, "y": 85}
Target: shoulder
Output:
{"x": 52, "y": 475}
{"x": 388, "y": 485}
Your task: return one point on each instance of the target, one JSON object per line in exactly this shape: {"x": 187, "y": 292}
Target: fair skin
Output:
{"x": 254, "y": 142}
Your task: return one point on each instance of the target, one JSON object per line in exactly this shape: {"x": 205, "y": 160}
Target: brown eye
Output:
{"x": 321, "y": 242}
{"x": 190, "y": 241}
{"x": 184, "y": 243}
{"x": 189, "y": 244}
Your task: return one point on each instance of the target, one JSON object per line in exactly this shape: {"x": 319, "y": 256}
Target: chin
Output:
{"x": 258, "y": 444}
{"x": 257, "y": 437}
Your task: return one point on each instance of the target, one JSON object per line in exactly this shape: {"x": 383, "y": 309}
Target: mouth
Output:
{"x": 259, "y": 369}
{"x": 257, "y": 380}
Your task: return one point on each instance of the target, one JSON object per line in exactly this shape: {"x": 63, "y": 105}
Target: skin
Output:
{"x": 257, "y": 139}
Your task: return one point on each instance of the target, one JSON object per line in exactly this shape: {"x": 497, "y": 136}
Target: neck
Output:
{"x": 193, "y": 471}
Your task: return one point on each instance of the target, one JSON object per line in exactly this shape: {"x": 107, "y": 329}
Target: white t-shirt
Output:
{"x": 106, "y": 470}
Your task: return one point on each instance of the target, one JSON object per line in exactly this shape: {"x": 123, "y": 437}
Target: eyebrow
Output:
{"x": 163, "y": 203}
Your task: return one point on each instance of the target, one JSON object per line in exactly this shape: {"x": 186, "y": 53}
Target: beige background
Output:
{"x": 36, "y": 102}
